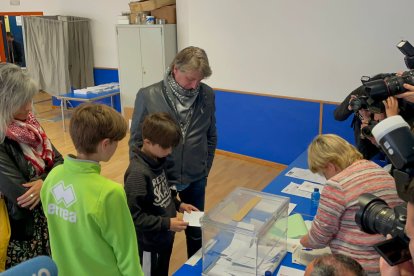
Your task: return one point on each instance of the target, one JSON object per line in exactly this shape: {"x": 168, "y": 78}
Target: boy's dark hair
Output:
{"x": 336, "y": 265}
{"x": 91, "y": 123}
{"x": 160, "y": 128}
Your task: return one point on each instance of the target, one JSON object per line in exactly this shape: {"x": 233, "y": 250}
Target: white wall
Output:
{"x": 310, "y": 49}
{"x": 103, "y": 15}
{"x": 48, "y": 7}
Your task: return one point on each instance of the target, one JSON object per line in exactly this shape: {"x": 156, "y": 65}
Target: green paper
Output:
{"x": 296, "y": 227}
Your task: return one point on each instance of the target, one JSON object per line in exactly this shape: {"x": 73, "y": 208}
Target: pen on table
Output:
{"x": 307, "y": 249}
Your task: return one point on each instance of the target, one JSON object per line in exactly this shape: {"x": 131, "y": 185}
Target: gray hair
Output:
{"x": 336, "y": 265}
{"x": 16, "y": 90}
{"x": 192, "y": 59}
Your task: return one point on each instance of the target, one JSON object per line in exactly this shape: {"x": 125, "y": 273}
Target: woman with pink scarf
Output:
{"x": 26, "y": 157}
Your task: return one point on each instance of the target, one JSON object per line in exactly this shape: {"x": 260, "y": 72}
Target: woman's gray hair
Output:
{"x": 16, "y": 90}
{"x": 192, "y": 59}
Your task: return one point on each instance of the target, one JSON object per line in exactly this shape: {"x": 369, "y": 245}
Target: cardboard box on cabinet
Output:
{"x": 167, "y": 12}
{"x": 149, "y": 5}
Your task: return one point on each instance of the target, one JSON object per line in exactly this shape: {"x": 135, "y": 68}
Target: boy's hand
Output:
{"x": 177, "y": 224}
{"x": 187, "y": 208}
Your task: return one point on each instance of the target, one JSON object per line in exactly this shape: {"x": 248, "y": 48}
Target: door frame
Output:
{"x": 2, "y": 38}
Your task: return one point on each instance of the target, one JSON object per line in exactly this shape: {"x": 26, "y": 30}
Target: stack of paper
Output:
{"x": 97, "y": 89}
{"x": 239, "y": 257}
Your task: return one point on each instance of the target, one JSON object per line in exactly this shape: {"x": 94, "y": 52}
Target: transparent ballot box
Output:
{"x": 245, "y": 234}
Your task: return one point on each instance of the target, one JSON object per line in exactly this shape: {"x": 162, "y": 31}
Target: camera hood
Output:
{"x": 388, "y": 125}
{"x": 396, "y": 140}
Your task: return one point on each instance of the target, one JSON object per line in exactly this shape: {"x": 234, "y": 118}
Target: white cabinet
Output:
{"x": 144, "y": 52}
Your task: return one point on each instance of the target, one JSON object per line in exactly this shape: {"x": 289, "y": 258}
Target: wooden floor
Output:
{"x": 226, "y": 174}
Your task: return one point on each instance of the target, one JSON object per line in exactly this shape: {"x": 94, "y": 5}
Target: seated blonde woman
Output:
{"x": 348, "y": 176}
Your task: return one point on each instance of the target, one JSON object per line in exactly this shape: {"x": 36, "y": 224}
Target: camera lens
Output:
{"x": 395, "y": 85}
{"x": 367, "y": 131}
{"x": 374, "y": 215}
{"x": 377, "y": 89}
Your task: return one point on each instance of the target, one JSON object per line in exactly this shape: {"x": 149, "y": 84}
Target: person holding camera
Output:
{"x": 405, "y": 268}
{"x": 352, "y": 105}
{"x": 348, "y": 175}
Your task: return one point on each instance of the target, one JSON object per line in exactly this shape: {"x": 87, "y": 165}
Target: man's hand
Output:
{"x": 187, "y": 208}
{"x": 32, "y": 196}
{"x": 177, "y": 224}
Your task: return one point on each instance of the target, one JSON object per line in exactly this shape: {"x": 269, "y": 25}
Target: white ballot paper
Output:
{"x": 293, "y": 189}
{"x": 193, "y": 218}
{"x": 306, "y": 174}
{"x": 289, "y": 271}
{"x": 309, "y": 187}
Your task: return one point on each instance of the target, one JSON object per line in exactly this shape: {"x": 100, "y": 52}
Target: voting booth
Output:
{"x": 245, "y": 234}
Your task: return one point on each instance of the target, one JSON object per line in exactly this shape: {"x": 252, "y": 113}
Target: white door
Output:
{"x": 152, "y": 51}
{"x": 130, "y": 68}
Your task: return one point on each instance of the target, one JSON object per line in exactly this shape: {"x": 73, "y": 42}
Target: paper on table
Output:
{"x": 296, "y": 227}
{"x": 293, "y": 189}
{"x": 291, "y": 207}
{"x": 195, "y": 258}
{"x": 309, "y": 187}
{"x": 193, "y": 218}
{"x": 289, "y": 271}
{"x": 306, "y": 174}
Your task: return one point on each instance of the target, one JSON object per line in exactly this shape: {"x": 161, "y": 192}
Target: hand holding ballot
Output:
{"x": 193, "y": 218}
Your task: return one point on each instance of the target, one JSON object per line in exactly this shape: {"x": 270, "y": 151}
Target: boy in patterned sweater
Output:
{"x": 152, "y": 201}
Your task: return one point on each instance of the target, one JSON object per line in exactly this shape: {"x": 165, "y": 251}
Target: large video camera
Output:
{"x": 377, "y": 88}
{"x": 374, "y": 216}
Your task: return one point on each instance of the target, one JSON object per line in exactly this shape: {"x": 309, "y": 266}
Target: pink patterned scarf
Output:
{"x": 33, "y": 141}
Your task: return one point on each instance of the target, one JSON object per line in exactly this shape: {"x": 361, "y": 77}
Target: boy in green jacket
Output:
{"x": 90, "y": 227}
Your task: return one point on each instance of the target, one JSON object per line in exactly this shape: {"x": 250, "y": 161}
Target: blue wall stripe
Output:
{"x": 105, "y": 75}
{"x": 274, "y": 129}
{"x": 330, "y": 125}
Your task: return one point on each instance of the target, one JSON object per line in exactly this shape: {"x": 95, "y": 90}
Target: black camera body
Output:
{"x": 360, "y": 102}
{"x": 379, "y": 90}
{"x": 382, "y": 86}
{"x": 374, "y": 215}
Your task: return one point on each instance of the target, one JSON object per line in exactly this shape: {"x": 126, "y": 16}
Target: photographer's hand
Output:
{"x": 403, "y": 269}
{"x": 350, "y": 100}
{"x": 408, "y": 96}
{"x": 391, "y": 106}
